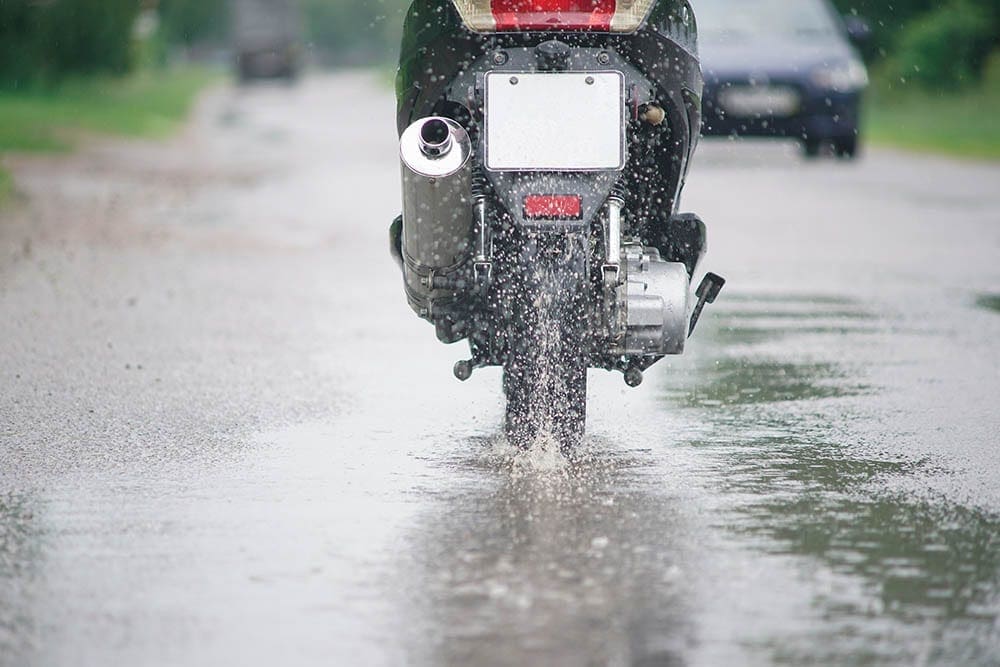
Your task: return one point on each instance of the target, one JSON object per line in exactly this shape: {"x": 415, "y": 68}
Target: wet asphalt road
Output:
{"x": 224, "y": 439}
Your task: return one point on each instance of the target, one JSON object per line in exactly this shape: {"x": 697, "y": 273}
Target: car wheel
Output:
{"x": 811, "y": 147}
{"x": 244, "y": 67}
{"x": 846, "y": 147}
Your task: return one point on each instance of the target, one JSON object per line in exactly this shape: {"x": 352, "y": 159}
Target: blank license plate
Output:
{"x": 748, "y": 101}
{"x": 565, "y": 121}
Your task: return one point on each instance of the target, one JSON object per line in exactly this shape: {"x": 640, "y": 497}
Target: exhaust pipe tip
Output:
{"x": 435, "y": 138}
{"x": 434, "y": 147}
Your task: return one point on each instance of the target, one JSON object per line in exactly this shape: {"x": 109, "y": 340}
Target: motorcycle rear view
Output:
{"x": 544, "y": 146}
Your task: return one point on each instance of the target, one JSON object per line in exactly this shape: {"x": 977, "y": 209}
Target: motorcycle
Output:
{"x": 544, "y": 146}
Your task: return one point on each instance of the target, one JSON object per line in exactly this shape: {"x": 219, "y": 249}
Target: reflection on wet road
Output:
{"x": 810, "y": 473}
{"x": 224, "y": 438}
{"x": 990, "y": 302}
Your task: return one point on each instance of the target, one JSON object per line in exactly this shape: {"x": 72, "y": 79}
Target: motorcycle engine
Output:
{"x": 656, "y": 294}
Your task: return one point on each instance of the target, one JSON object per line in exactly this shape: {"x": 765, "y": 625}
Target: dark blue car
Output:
{"x": 782, "y": 68}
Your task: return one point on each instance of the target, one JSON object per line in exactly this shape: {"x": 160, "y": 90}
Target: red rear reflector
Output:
{"x": 553, "y": 14}
{"x": 553, "y": 207}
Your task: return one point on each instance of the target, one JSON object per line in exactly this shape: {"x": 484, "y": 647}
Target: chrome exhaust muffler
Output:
{"x": 438, "y": 220}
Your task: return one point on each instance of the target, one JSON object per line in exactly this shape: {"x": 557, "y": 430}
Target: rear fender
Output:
{"x": 513, "y": 188}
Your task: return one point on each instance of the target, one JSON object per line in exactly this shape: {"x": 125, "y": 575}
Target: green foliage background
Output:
{"x": 191, "y": 22}
{"x": 357, "y": 32}
{"x": 42, "y": 40}
{"x": 345, "y": 31}
{"x": 939, "y": 44}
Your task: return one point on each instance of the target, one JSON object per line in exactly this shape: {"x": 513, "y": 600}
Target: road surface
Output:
{"x": 224, "y": 438}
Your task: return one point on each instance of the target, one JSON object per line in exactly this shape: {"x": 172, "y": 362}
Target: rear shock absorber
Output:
{"x": 613, "y": 234}
{"x": 482, "y": 262}
{"x": 613, "y": 314}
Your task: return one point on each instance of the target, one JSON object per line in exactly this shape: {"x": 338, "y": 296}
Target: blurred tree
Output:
{"x": 887, "y": 19}
{"x": 935, "y": 43}
{"x": 945, "y": 48}
{"x": 48, "y": 40}
{"x": 19, "y": 41}
{"x": 83, "y": 36}
{"x": 350, "y": 32}
{"x": 192, "y": 21}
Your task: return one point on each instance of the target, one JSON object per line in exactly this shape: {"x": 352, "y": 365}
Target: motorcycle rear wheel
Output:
{"x": 545, "y": 375}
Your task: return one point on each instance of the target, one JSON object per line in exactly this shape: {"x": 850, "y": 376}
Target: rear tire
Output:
{"x": 545, "y": 375}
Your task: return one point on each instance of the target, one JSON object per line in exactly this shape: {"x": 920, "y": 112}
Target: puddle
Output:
{"x": 989, "y": 302}
{"x": 882, "y": 564}
{"x": 746, "y": 381}
{"x": 816, "y": 483}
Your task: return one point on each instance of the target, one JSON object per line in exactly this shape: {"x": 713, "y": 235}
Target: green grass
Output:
{"x": 150, "y": 104}
{"x": 6, "y": 185}
{"x": 963, "y": 124}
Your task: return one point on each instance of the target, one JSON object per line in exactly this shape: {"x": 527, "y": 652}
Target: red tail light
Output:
{"x": 545, "y": 15}
{"x": 553, "y": 14}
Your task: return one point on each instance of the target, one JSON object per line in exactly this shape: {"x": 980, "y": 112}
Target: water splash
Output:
{"x": 547, "y": 394}
{"x": 543, "y": 455}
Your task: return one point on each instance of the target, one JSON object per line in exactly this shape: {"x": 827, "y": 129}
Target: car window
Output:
{"x": 735, "y": 19}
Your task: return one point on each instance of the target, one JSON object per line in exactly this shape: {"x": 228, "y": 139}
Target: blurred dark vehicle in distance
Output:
{"x": 267, "y": 36}
{"x": 782, "y": 68}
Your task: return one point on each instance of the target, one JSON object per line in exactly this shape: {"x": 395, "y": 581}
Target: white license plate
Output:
{"x": 760, "y": 101}
{"x": 565, "y": 121}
